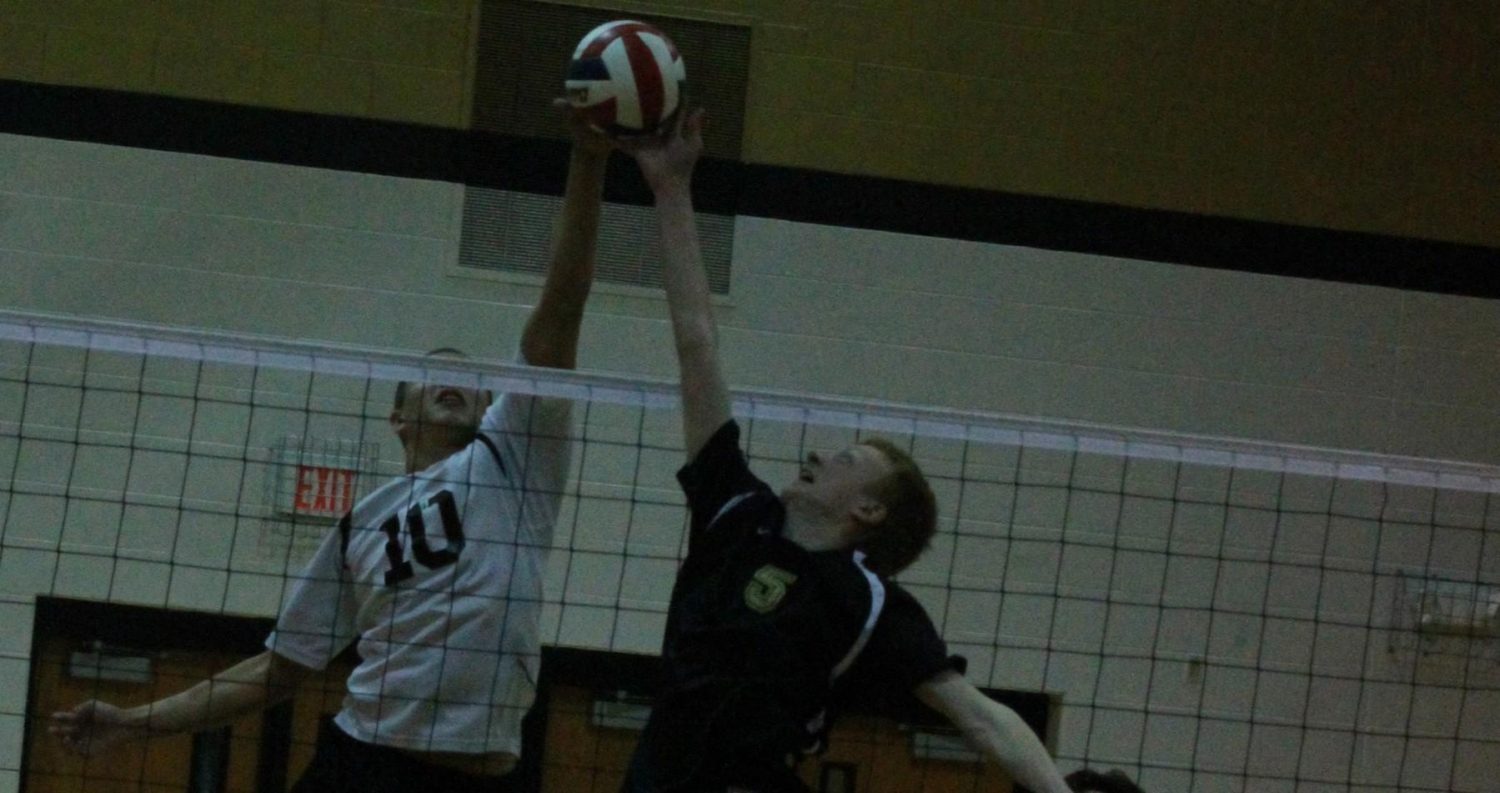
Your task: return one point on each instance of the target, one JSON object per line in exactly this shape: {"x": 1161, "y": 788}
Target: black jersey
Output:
{"x": 759, "y": 633}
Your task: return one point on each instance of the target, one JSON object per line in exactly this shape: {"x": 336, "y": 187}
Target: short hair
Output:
{"x": 401, "y": 386}
{"x": 891, "y": 545}
{"x": 1088, "y": 780}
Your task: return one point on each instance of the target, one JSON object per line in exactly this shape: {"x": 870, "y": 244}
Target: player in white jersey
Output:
{"x": 436, "y": 576}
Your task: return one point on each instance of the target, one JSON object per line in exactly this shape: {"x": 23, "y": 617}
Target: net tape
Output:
{"x": 871, "y": 415}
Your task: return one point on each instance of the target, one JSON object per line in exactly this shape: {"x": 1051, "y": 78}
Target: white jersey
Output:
{"x": 438, "y": 574}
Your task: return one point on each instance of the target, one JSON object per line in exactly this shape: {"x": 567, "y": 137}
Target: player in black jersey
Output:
{"x": 783, "y": 594}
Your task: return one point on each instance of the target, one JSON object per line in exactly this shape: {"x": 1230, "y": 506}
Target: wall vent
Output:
{"x": 509, "y": 231}
{"x": 523, "y": 51}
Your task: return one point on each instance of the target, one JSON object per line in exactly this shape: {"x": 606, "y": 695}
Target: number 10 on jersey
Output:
{"x": 416, "y": 526}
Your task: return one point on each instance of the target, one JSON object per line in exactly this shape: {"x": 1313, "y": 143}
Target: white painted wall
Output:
{"x": 1108, "y": 597}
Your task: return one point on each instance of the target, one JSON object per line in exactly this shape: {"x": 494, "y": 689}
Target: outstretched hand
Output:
{"x": 586, "y": 138}
{"x": 667, "y": 160}
{"x": 91, "y": 727}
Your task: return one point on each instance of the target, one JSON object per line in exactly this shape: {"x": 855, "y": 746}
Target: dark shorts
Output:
{"x": 342, "y": 764}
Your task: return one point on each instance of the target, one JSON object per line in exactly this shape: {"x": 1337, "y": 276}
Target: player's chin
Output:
{"x": 447, "y": 417}
{"x": 453, "y": 430}
{"x": 463, "y": 429}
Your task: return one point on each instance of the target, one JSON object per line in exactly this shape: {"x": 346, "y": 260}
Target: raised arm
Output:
{"x": 551, "y": 334}
{"x": 667, "y": 165}
{"x": 251, "y": 685}
{"x": 995, "y": 730}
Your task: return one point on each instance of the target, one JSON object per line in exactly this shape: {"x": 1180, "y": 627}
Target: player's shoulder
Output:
{"x": 901, "y": 607}
{"x": 478, "y": 462}
{"x": 398, "y": 492}
{"x": 754, "y": 501}
{"x": 383, "y": 498}
{"x": 513, "y": 413}
{"x": 721, "y": 453}
{"x": 846, "y": 582}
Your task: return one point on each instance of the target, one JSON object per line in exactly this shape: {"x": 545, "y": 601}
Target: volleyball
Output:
{"x": 627, "y": 77}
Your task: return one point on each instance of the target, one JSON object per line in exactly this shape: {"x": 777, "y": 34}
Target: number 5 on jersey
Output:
{"x": 767, "y": 587}
{"x": 416, "y": 526}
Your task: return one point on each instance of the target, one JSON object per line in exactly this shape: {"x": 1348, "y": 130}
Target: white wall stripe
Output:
{"x": 194, "y": 345}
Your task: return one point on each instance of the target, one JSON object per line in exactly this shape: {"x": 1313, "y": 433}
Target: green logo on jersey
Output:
{"x": 767, "y": 587}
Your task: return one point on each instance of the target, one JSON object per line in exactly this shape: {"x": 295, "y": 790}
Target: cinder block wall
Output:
{"x": 1276, "y": 111}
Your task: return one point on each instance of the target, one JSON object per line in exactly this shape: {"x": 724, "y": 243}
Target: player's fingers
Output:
{"x": 566, "y": 109}
{"x": 679, "y": 124}
{"x": 573, "y": 115}
{"x": 696, "y": 121}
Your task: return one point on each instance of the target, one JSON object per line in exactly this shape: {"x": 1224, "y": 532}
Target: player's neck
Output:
{"x": 815, "y": 532}
{"x": 421, "y": 456}
{"x": 433, "y": 443}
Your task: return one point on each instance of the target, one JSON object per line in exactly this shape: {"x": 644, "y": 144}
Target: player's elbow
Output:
{"x": 987, "y": 724}
{"x": 283, "y": 677}
{"x": 980, "y": 727}
{"x": 695, "y": 337}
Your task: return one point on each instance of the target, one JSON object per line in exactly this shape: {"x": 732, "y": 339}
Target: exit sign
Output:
{"x": 319, "y": 479}
{"x": 324, "y": 492}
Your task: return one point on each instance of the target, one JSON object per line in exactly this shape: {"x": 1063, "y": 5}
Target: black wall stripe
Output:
{"x": 1149, "y": 234}
{"x": 482, "y": 159}
{"x": 537, "y": 166}
{"x": 146, "y": 627}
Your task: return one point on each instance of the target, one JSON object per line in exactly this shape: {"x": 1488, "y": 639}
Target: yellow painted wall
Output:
{"x": 1375, "y": 115}
{"x": 405, "y": 60}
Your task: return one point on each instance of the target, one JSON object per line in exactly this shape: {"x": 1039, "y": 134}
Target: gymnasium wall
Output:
{"x": 324, "y": 255}
{"x": 1259, "y": 110}
{"x": 1364, "y": 116}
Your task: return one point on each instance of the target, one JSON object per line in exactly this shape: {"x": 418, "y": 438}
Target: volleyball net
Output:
{"x": 1202, "y": 613}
